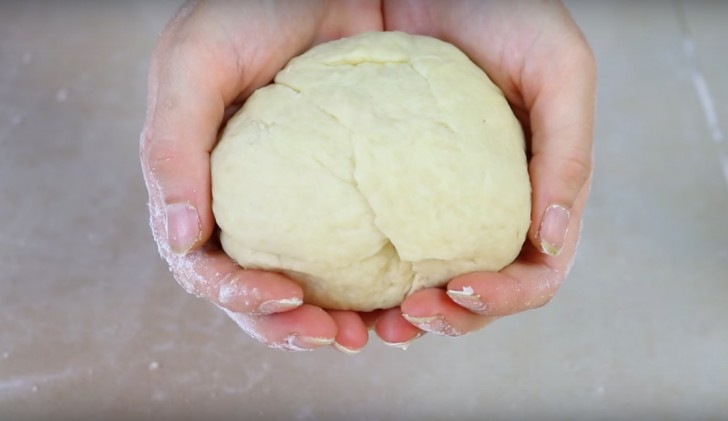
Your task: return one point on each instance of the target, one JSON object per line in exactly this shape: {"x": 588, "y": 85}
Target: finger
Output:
{"x": 197, "y": 70}
{"x": 521, "y": 286}
{"x": 530, "y": 282}
{"x": 394, "y": 330}
{"x": 412, "y": 16}
{"x": 209, "y": 273}
{"x": 195, "y": 73}
{"x": 545, "y": 68}
{"x": 185, "y": 107}
{"x": 561, "y": 121}
{"x": 302, "y": 329}
{"x": 431, "y": 310}
{"x": 348, "y": 17}
{"x": 254, "y": 292}
{"x": 352, "y": 334}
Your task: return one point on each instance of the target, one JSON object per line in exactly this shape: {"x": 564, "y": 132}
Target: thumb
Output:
{"x": 199, "y": 67}
{"x": 561, "y": 122}
{"x": 185, "y": 111}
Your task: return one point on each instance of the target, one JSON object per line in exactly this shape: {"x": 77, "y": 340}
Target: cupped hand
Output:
{"x": 213, "y": 55}
{"x": 537, "y": 55}
{"x": 210, "y": 57}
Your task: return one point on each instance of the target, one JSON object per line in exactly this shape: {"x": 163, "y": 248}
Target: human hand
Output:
{"x": 537, "y": 55}
{"x": 210, "y": 57}
{"x": 213, "y": 55}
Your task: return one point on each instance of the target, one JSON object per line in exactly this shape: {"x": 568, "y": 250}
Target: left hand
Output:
{"x": 537, "y": 55}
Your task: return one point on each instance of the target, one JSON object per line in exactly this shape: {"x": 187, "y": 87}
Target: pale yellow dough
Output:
{"x": 374, "y": 166}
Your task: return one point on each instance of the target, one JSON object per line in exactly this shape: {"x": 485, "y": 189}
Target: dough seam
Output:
{"x": 355, "y": 182}
{"x": 364, "y": 197}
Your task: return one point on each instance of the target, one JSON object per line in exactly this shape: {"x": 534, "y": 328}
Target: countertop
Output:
{"x": 92, "y": 323}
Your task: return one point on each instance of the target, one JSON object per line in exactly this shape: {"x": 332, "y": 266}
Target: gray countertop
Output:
{"x": 92, "y": 323}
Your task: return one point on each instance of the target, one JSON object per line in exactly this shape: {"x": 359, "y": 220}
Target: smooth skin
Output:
{"x": 214, "y": 54}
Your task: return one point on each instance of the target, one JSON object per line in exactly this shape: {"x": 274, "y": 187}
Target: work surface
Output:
{"x": 92, "y": 323}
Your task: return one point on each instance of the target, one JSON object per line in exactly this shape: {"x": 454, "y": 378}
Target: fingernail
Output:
{"x": 278, "y": 306}
{"x": 346, "y": 350}
{"x": 183, "y": 227}
{"x": 467, "y": 298}
{"x": 309, "y": 342}
{"x": 403, "y": 345}
{"x": 432, "y": 324}
{"x": 554, "y": 225}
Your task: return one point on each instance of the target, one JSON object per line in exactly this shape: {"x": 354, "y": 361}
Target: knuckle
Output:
{"x": 550, "y": 290}
{"x": 575, "y": 171}
{"x": 157, "y": 155}
{"x": 182, "y": 48}
{"x": 186, "y": 270}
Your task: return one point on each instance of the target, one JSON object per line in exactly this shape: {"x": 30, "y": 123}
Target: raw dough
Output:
{"x": 374, "y": 166}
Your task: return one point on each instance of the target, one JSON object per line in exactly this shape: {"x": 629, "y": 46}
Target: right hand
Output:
{"x": 209, "y": 59}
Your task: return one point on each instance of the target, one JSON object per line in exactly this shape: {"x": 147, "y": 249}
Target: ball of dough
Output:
{"x": 372, "y": 167}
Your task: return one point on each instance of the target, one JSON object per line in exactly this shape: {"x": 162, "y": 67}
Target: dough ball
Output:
{"x": 372, "y": 167}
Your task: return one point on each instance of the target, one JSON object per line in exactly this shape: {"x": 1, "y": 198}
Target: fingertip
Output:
{"x": 352, "y": 335}
{"x": 425, "y": 302}
{"x": 279, "y": 305}
{"x": 405, "y": 343}
{"x": 483, "y": 293}
{"x": 467, "y": 298}
{"x": 434, "y": 312}
{"x": 184, "y": 228}
{"x": 518, "y": 288}
{"x": 555, "y": 191}
{"x": 258, "y": 292}
{"x": 305, "y": 343}
{"x": 305, "y": 328}
{"x": 344, "y": 350}
{"x": 394, "y": 330}
{"x": 553, "y": 229}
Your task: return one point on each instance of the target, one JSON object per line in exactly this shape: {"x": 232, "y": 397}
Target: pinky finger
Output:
{"x": 352, "y": 334}
{"x": 433, "y": 311}
{"x": 394, "y": 330}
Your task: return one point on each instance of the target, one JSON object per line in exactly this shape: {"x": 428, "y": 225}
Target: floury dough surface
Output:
{"x": 374, "y": 166}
